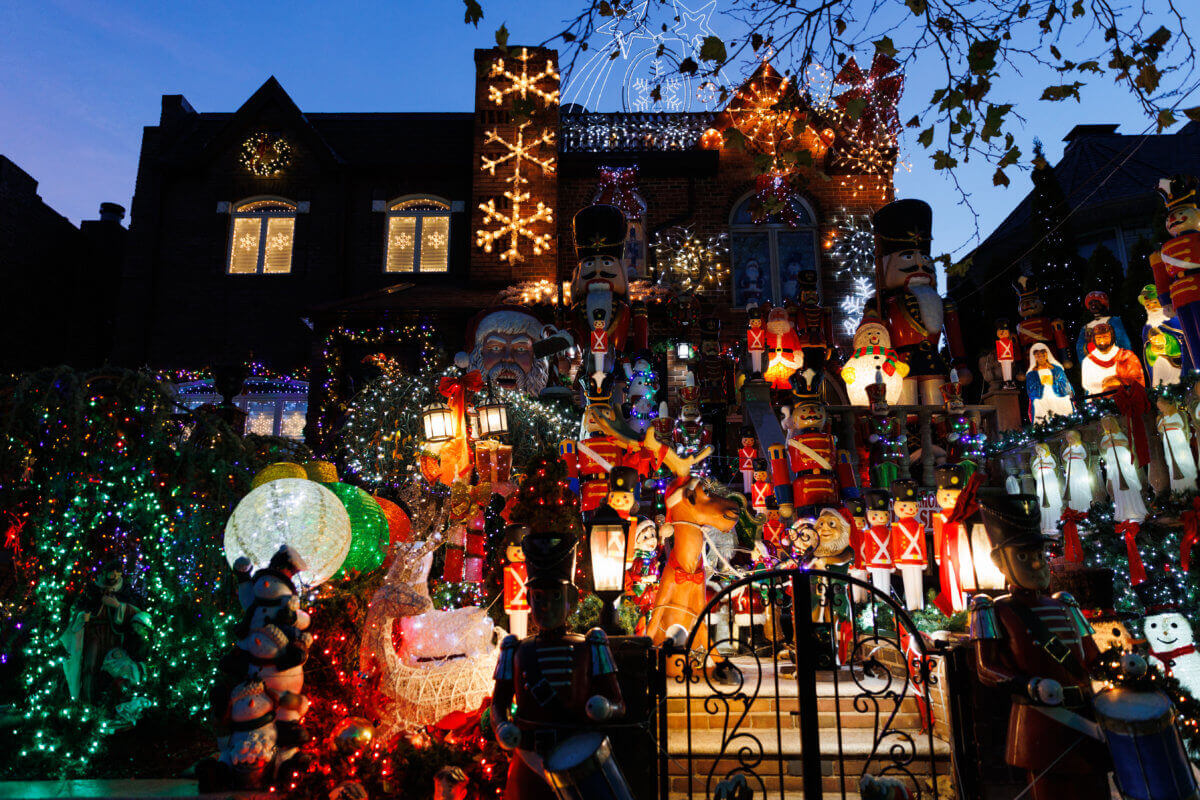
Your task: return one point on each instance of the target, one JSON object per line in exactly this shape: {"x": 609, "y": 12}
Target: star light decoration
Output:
{"x": 851, "y": 244}
{"x": 693, "y": 263}
{"x": 862, "y": 106}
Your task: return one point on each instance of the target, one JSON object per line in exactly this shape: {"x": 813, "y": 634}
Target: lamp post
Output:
{"x": 608, "y": 536}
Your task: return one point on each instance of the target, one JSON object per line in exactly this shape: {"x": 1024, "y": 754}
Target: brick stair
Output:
{"x": 780, "y": 768}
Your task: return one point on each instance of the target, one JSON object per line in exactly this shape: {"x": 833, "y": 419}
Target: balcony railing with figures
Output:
{"x": 631, "y": 132}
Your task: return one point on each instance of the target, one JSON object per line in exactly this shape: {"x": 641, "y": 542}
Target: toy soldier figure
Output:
{"x": 516, "y": 595}
{"x": 857, "y": 508}
{"x": 814, "y": 322}
{"x": 756, "y": 340}
{"x": 560, "y": 682}
{"x": 812, "y": 452}
{"x": 877, "y": 540}
{"x": 691, "y": 435}
{"x": 1039, "y": 648}
{"x": 913, "y": 311}
{"x": 1177, "y": 264}
{"x": 1006, "y": 352}
{"x": 599, "y": 344}
{"x": 909, "y": 550}
{"x": 1035, "y": 327}
{"x": 760, "y": 489}
{"x": 948, "y": 538}
{"x": 597, "y": 452}
{"x": 746, "y": 455}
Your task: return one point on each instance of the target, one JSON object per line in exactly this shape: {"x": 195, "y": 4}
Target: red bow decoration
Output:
{"x": 1137, "y": 570}
{"x": 458, "y": 726}
{"x": 1133, "y": 402}
{"x": 1191, "y": 533}
{"x": 1072, "y": 548}
{"x": 456, "y": 388}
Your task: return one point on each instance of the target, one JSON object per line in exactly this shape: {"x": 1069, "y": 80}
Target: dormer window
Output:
{"x": 261, "y": 237}
{"x": 418, "y": 236}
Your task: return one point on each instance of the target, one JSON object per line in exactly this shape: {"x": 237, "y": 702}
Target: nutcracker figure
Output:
{"x": 888, "y": 441}
{"x": 599, "y": 346}
{"x": 1162, "y": 342}
{"x": 812, "y": 453}
{"x": 559, "y": 682}
{"x": 622, "y": 485}
{"x": 877, "y": 541}
{"x": 784, "y": 356}
{"x": 1177, "y": 262}
{"x": 746, "y": 455}
{"x": 761, "y": 489}
{"x": 1097, "y": 304}
{"x": 716, "y": 380}
{"x": 949, "y": 538}
{"x": 908, "y": 543}
{"x": 857, "y": 509}
{"x": 912, "y": 310}
{"x": 599, "y": 283}
{"x": 1035, "y": 327}
{"x": 1040, "y": 649}
{"x": 596, "y": 452}
{"x": 1006, "y": 352}
{"x": 516, "y": 594}
{"x": 756, "y": 340}
{"x": 773, "y": 528}
{"x": 814, "y": 322}
{"x": 691, "y": 434}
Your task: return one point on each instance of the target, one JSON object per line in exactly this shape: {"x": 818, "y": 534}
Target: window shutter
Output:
{"x": 401, "y": 244}
{"x": 435, "y": 244}
{"x": 277, "y": 256}
{"x": 243, "y": 250}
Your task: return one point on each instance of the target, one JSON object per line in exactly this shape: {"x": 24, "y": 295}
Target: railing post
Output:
{"x": 806, "y": 683}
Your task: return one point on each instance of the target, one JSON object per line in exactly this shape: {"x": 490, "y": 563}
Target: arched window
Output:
{"x": 261, "y": 236}
{"x": 418, "y": 235}
{"x": 768, "y": 256}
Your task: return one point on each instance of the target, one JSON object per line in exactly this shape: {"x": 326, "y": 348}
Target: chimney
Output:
{"x": 112, "y": 212}
{"x": 175, "y": 107}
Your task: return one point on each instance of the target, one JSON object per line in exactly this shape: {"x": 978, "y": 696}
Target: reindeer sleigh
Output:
{"x": 692, "y": 503}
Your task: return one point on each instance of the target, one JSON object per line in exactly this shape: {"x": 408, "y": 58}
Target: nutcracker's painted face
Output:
{"x": 756, "y": 323}
{"x": 760, "y": 476}
{"x": 878, "y": 517}
{"x": 773, "y": 515}
{"x": 1168, "y": 631}
{"x": 1030, "y": 306}
{"x": 550, "y": 602}
{"x": 1182, "y": 219}
{"x": 905, "y": 508}
{"x": 621, "y": 502}
{"x": 946, "y": 498}
{"x": 809, "y": 416}
{"x": 1025, "y": 566}
{"x": 907, "y": 268}
{"x": 748, "y": 441}
{"x": 513, "y": 553}
{"x": 599, "y": 272}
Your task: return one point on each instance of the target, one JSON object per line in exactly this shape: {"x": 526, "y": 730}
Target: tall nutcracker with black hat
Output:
{"x": 716, "y": 374}
{"x": 1040, "y": 649}
{"x": 599, "y": 284}
{"x": 560, "y": 683}
{"x": 1035, "y": 327}
{"x": 909, "y": 550}
{"x": 908, "y": 304}
{"x": 1177, "y": 264}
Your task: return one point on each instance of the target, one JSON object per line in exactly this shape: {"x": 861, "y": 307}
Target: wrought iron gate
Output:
{"x": 835, "y": 633}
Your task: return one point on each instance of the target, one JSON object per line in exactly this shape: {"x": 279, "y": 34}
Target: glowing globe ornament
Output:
{"x": 273, "y": 472}
{"x": 296, "y": 512}
{"x": 368, "y": 529}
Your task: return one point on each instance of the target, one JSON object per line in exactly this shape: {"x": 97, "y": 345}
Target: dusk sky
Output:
{"x": 79, "y": 80}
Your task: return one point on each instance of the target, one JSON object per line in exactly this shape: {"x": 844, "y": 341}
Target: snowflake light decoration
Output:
{"x": 523, "y": 84}
{"x": 852, "y": 247}
{"x": 516, "y": 223}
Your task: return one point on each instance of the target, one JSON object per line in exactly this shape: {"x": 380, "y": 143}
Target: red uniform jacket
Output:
{"x": 1177, "y": 270}
{"x": 902, "y": 312}
{"x": 877, "y": 547}
{"x": 746, "y": 456}
{"x": 756, "y": 339}
{"x": 516, "y": 597}
{"x": 1043, "y": 330}
{"x": 599, "y": 341}
{"x": 759, "y": 492}
{"x": 1006, "y": 349}
{"x": 908, "y": 543}
{"x": 592, "y": 474}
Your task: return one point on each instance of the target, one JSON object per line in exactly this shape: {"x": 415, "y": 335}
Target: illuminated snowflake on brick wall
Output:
{"x": 523, "y": 152}
{"x": 851, "y": 245}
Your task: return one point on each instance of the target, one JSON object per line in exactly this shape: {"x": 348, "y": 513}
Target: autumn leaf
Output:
{"x": 605, "y": 9}
{"x": 1011, "y": 157}
{"x": 981, "y": 57}
{"x": 960, "y": 269}
{"x": 1077, "y": 8}
{"x": 840, "y": 25}
{"x": 1165, "y": 119}
{"x": 713, "y": 49}
{"x": 1062, "y": 91}
{"x": 1159, "y": 38}
{"x": 1192, "y": 113}
{"x": 688, "y": 66}
{"x": 917, "y": 7}
{"x": 474, "y": 12}
{"x": 926, "y": 137}
{"x": 993, "y": 121}
{"x": 502, "y": 37}
{"x": 943, "y": 160}
{"x": 1147, "y": 78}
{"x": 756, "y": 41}
{"x": 912, "y": 123}
{"x": 886, "y": 47}
{"x": 999, "y": 178}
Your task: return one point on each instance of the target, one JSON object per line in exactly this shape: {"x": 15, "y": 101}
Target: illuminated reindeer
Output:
{"x": 692, "y": 503}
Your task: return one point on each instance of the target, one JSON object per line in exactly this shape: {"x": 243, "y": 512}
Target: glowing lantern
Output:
{"x": 493, "y": 419}
{"x": 368, "y": 529}
{"x": 607, "y": 537}
{"x": 684, "y": 351}
{"x": 977, "y": 572}
{"x": 294, "y": 512}
{"x": 438, "y": 420}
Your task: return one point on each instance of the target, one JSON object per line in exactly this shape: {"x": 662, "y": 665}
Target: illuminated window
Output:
{"x": 769, "y": 256}
{"x": 418, "y": 236}
{"x": 273, "y": 406}
{"x": 261, "y": 237}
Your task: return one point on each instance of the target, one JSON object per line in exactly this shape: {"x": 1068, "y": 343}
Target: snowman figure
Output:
{"x": 1167, "y": 631}
{"x": 872, "y": 361}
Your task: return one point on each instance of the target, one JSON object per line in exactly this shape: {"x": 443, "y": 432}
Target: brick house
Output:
{"x": 60, "y": 280}
{"x": 293, "y": 238}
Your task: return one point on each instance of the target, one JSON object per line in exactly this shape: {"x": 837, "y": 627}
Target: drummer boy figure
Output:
{"x": 1040, "y": 649}
{"x": 562, "y": 683}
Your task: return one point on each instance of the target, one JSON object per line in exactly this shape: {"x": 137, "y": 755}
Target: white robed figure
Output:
{"x": 1176, "y": 442}
{"x": 1049, "y": 492}
{"x": 1047, "y": 385}
{"x": 1079, "y": 492}
{"x": 1124, "y": 478}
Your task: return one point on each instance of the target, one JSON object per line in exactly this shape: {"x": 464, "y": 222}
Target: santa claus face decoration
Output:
{"x": 777, "y": 321}
{"x": 833, "y": 532}
{"x": 503, "y": 351}
{"x": 907, "y": 268}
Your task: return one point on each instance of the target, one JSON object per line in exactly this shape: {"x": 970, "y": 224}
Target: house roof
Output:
{"x": 1104, "y": 176}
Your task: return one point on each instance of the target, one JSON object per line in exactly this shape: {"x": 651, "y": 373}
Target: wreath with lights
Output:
{"x": 265, "y": 154}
